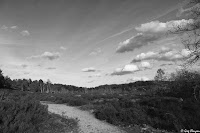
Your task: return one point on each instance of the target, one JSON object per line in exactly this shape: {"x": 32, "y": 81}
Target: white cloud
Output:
{"x": 127, "y": 69}
{"x": 162, "y": 27}
{"x": 63, "y": 48}
{"x": 185, "y": 52}
{"x": 154, "y": 26}
{"x": 89, "y": 69}
{"x": 136, "y": 42}
{"x": 163, "y": 55}
{"x": 14, "y": 27}
{"x": 150, "y": 32}
{"x": 146, "y": 64}
{"x": 96, "y": 51}
{"x": 25, "y": 33}
{"x": 145, "y": 56}
{"x": 130, "y": 68}
{"x": 4, "y": 27}
{"x": 46, "y": 55}
{"x": 137, "y": 79}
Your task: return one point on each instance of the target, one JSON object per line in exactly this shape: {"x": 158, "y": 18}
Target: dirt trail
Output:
{"x": 87, "y": 122}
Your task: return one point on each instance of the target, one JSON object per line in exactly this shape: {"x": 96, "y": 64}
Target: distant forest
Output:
{"x": 48, "y": 87}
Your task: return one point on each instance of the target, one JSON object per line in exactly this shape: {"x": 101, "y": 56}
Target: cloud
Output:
{"x": 51, "y": 68}
{"x": 89, "y": 69}
{"x": 145, "y": 56}
{"x": 163, "y": 55}
{"x": 136, "y": 42}
{"x": 96, "y": 51}
{"x": 14, "y": 27}
{"x": 4, "y": 27}
{"x": 137, "y": 79}
{"x": 25, "y": 33}
{"x": 162, "y": 27}
{"x": 131, "y": 27}
{"x": 95, "y": 75}
{"x": 62, "y": 48}
{"x": 131, "y": 68}
{"x": 166, "y": 64}
{"x": 46, "y": 55}
{"x": 145, "y": 65}
{"x": 127, "y": 69}
{"x": 149, "y": 33}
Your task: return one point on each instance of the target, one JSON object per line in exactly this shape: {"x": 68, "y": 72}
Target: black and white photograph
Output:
{"x": 99, "y": 66}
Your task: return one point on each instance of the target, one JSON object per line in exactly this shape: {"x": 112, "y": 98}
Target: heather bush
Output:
{"x": 121, "y": 113}
{"x": 183, "y": 83}
{"x": 21, "y": 114}
{"x": 172, "y": 106}
{"x": 179, "y": 106}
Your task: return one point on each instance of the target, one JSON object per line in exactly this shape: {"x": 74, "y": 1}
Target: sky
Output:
{"x": 89, "y": 42}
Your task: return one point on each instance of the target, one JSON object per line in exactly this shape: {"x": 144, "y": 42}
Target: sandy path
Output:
{"x": 87, "y": 122}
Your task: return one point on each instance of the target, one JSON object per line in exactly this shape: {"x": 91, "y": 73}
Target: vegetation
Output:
{"x": 176, "y": 108}
{"x": 190, "y": 31}
{"x": 20, "y": 112}
{"x": 160, "y": 76}
{"x": 167, "y": 103}
{"x": 172, "y": 104}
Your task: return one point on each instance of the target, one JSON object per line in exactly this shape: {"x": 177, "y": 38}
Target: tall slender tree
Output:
{"x": 41, "y": 85}
{"x": 48, "y": 86}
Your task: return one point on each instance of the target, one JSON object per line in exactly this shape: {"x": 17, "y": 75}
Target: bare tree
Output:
{"x": 190, "y": 31}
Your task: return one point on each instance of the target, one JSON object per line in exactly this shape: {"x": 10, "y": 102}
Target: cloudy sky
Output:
{"x": 89, "y": 42}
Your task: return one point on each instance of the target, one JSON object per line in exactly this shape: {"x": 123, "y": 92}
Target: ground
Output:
{"x": 86, "y": 121}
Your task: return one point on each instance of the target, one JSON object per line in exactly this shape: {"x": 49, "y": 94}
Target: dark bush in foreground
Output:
{"x": 21, "y": 116}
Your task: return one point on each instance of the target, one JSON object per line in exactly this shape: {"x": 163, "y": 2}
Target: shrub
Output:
{"x": 183, "y": 83}
{"x": 73, "y": 101}
{"x": 121, "y": 113}
{"x": 58, "y": 124}
{"x": 21, "y": 115}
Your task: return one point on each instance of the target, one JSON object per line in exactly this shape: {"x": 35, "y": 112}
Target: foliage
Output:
{"x": 59, "y": 124}
{"x": 190, "y": 31}
{"x": 169, "y": 105}
{"x": 1, "y": 79}
{"x": 21, "y": 114}
{"x": 172, "y": 106}
{"x": 184, "y": 83}
{"x": 160, "y": 76}
{"x": 180, "y": 104}
{"x": 123, "y": 112}
{"x": 61, "y": 98}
